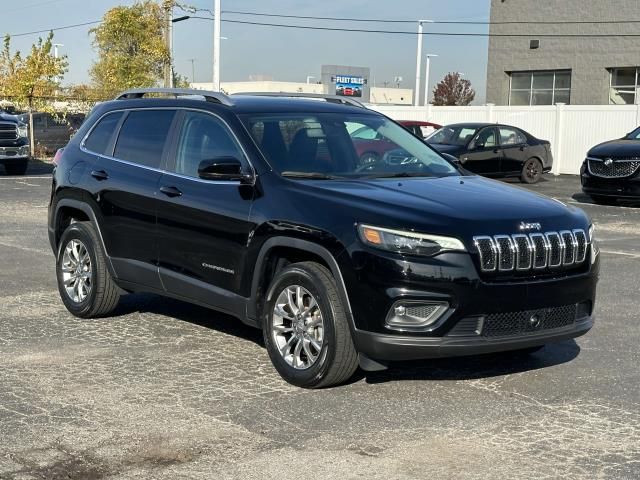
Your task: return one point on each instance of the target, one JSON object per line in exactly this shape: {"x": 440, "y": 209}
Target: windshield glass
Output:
{"x": 454, "y": 135}
{"x": 635, "y": 135}
{"x": 327, "y": 145}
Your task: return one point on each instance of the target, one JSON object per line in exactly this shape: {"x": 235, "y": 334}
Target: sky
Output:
{"x": 279, "y": 53}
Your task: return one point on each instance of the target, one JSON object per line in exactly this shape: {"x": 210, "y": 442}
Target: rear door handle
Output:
{"x": 99, "y": 175}
{"x": 170, "y": 191}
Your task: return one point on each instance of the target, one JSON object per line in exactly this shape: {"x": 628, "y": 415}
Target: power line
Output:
{"x": 442, "y": 34}
{"x": 444, "y": 22}
{"x": 55, "y": 29}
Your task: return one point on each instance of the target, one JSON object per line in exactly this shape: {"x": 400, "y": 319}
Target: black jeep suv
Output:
{"x": 259, "y": 207}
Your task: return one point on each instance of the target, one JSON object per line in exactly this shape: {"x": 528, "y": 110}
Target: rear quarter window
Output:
{"x": 100, "y": 137}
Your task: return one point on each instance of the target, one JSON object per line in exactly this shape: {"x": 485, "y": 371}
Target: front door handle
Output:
{"x": 99, "y": 175}
{"x": 171, "y": 191}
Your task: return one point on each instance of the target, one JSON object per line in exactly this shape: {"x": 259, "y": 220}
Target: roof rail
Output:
{"x": 214, "y": 97}
{"x": 328, "y": 98}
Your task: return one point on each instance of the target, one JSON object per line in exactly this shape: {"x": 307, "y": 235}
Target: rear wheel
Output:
{"x": 84, "y": 281}
{"x": 18, "y": 167}
{"x": 305, "y": 327}
{"x": 531, "y": 171}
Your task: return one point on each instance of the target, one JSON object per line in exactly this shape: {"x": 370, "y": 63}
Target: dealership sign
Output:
{"x": 348, "y": 86}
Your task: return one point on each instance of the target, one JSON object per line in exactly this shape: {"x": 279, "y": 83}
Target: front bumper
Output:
{"x": 395, "y": 348}
{"x": 14, "y": 153}
{"x": 625, "y": 187}
{"x": 453, "y": 278}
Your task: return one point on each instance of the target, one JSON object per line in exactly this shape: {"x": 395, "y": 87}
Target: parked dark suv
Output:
{"x": 259, "y": 207}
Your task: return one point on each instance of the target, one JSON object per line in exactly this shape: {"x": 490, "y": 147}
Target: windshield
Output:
{"x": 453, "y": 135}
{"x": 327, "y": 145}
{"x": 635, "y": 135}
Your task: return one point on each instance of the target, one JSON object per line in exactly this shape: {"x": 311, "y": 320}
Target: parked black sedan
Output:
{"x": 495, "y": 150}
{"x": 610, "y": 170}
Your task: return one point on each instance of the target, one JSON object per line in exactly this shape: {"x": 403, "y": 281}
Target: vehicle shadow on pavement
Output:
{"x": 586, "y": 199}
{"x": 187, "y": 312}
{"x": 477, "y": 366}
{"x": 36, "y": 167}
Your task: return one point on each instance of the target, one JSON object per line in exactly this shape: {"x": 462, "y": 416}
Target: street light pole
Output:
{"x": 426, "y": 79}
{"x": 216, "y": 45}
{"x": 416, "y": 100}
{"x": 193, "y": 70}
{"x": 168, "y": 19}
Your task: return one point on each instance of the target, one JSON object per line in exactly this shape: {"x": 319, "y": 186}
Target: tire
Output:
{"x": 604, "y": 200}
{"x": 531, "y": 171}
{"x": 17, "y": 168}
{"x": 336, "y": 360}
{"x": 101, "y": 294}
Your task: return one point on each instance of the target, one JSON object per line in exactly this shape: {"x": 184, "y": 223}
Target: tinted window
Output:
{"x": 454, "y": 135}
{"x": 143, "y": 135}
{"x": 100, "y": 137}
{"x": 203, "y": 137}
{"x": 486, "y": 138}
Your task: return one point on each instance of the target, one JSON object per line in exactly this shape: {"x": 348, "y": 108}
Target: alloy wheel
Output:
{"x": 297, "y": 327}
{"x": 76, "y": 271}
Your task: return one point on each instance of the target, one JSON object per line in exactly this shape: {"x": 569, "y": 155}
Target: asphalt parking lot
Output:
{"x": 168, "y": 390}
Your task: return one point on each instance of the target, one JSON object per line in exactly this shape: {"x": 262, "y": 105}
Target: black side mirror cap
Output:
{"x": 223, "y": 168}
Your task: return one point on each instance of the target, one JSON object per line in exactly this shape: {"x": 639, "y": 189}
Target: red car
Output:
{"x": 371, "y": 146}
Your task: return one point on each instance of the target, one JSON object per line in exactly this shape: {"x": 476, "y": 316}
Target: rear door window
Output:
{"x": 511, "y": 136}
{"x": 100, "y": 138}
{"x": 143, "y": 135}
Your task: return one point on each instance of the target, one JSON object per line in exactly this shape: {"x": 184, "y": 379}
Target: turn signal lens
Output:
{"x": 371, "y": 235}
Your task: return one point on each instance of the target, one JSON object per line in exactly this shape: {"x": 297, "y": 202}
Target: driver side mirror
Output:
{"x": 223, "y": 168}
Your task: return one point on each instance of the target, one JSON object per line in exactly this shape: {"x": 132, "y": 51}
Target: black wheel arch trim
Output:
{"x": 303, "y": 245}
{"x": 85, "y": 208}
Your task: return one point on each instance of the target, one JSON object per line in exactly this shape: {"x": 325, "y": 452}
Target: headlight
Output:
{"x": 408, "y": 242}
{"x": 23, "y": 131}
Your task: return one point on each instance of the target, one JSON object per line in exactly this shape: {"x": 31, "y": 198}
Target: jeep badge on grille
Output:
{"x": 526, "y": 227}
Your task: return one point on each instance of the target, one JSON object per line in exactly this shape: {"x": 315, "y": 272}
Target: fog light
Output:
{"x": 415, "y": 315}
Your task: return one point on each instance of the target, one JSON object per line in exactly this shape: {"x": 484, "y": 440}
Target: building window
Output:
{"x": 624, "y": 86}
{"x": 546, "y": 87}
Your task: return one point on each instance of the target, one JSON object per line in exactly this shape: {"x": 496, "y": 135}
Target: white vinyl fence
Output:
{"x": 571, "y": 129}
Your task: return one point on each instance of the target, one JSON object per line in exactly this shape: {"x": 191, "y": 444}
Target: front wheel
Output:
{"x": 305, "y": 328}
{"x": 531, "y": 171}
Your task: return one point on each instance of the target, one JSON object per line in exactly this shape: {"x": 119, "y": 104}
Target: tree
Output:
{"x": 31, "y": 82}
{"x": 131, "y": 48}
{"x": 453, "y": 90}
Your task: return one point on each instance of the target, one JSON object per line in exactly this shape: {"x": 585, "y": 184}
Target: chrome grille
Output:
{"x": 619, "y": 168}
{"x": 8, "y": 131}
{"x": 535, "y": 251}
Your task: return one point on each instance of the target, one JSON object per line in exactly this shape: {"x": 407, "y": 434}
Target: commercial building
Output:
{"x": 549, "y": 66}
{"x": 353, "y": 82}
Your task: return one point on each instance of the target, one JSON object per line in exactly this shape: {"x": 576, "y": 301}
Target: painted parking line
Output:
{"x": 625, "y": 254}
{"x": 33, "y": 177}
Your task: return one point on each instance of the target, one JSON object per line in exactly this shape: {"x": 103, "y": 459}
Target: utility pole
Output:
{"x": 193, "y": 70}
{"x": 216, "y": 45}
{"x": 416, "y": 100}
{"x": 426, "y": 79}
{"x": 168, "y": 17}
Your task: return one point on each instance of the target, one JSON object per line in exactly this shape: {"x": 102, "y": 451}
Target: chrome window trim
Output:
{"x": 497, "y": 239}
{"x": 529, "y": 249}
{"x": 160, "y": 170}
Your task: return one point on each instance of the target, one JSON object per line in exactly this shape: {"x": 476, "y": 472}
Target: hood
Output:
{"x": 459, "y": 205}
{"x": 616, "y": 148}
{"x": 5, "y": 117}
{"x": 451, "y": 149}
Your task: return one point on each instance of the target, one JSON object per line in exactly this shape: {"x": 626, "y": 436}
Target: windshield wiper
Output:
{"x": 309, "y": 175}
{"x": 401, "y": 175}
